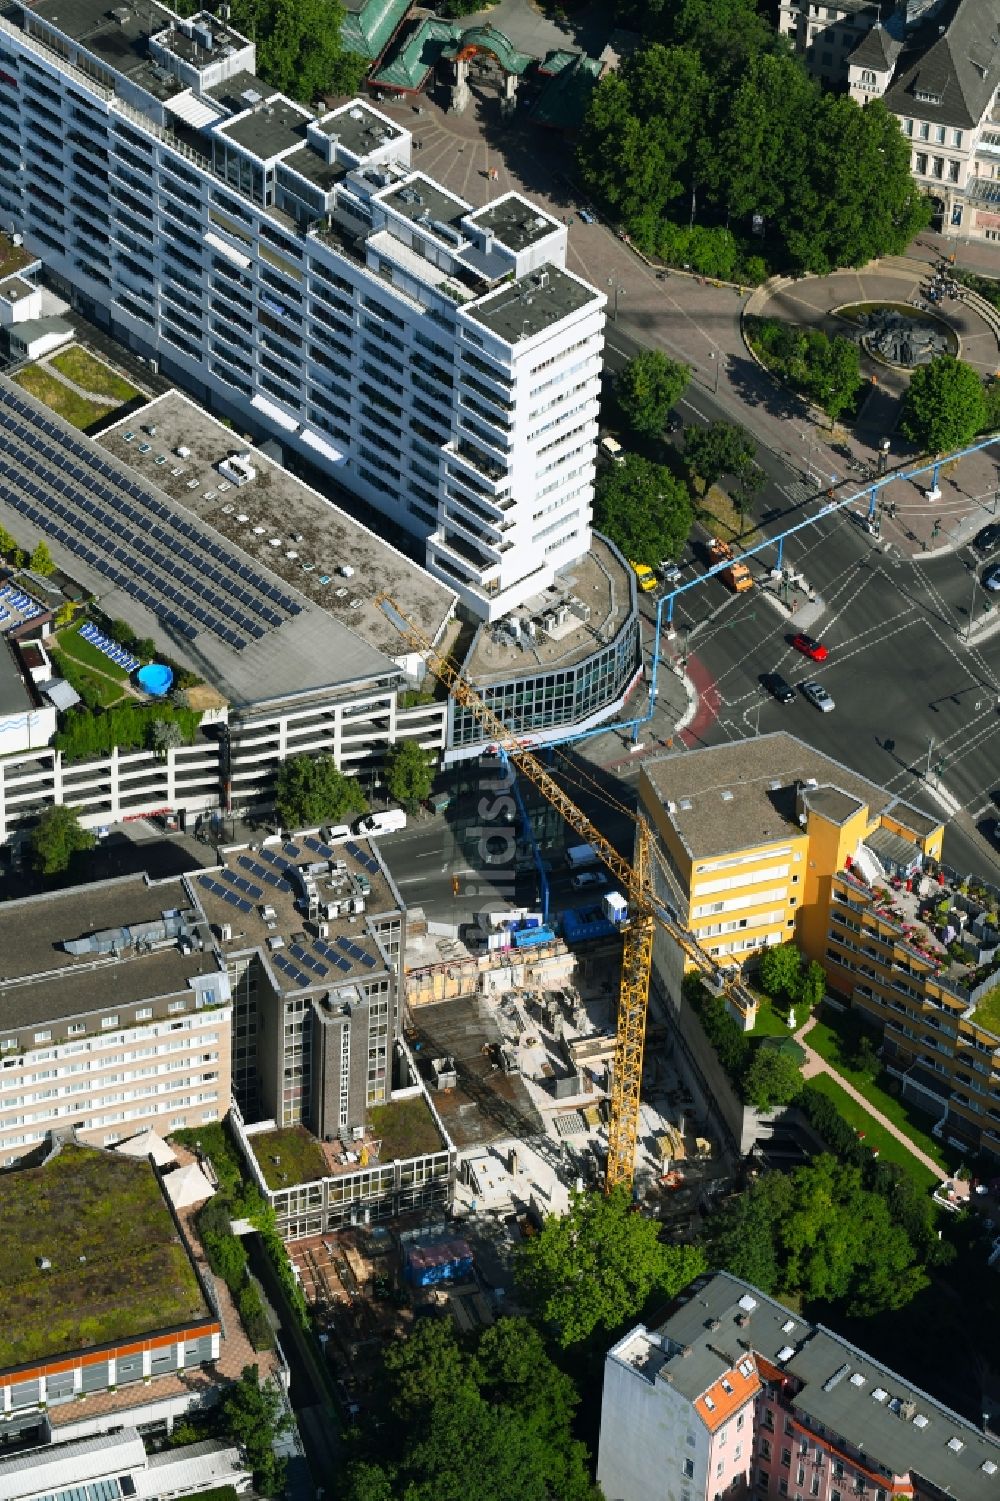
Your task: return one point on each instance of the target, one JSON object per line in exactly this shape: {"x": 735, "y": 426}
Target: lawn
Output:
{"x": 406, "y": 1129}
{"x": 60, "y": 398}
{"x": 835, "y": 1037}
{"x": 876, "y": 1136}
{"x": 118, "y": 1270}
{"x": 768, "y": 1023}
{"x": 92, "y": 374}
{"x": 214, "y": 1140}
{"x": 987, "y": 1012}
{"x": 86, "y": 682}
{"x": 289, "y": 1156}
{"x": 71, "y": 642}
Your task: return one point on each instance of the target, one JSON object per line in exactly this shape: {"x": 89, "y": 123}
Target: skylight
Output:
{"x": 878, "y": 1395}
{"x": 955, "y": 1445}
{"x": 785, "y": 1352}
{"x": 857, "y": 1379}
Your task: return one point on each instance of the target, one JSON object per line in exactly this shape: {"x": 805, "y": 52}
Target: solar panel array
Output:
{"x": 247, "y": 888}
{"x": 288, "y": 968}
{"x": 188, "y": 579}
{"x": 356, "y": 953}
{"x": 318, "y": 848}
{"x": 357, "y": 853}
{"x": 309, "y": 960}
{"x": 337, "y": 960}
{"x": 227, "y": 895}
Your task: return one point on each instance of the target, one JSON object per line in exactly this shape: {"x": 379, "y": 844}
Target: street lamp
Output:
{"x": 718, "y": 361}
{"x": 614, "y": 283}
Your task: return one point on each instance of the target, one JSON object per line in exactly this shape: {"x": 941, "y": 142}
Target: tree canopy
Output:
{"x": 253, "y": 1416}
{"x": 780, "y": 971}
{"x": 56, "y": 838}
{"x": 944, "y": 406}
{"x": 826, "y": 371}
{"x": 310, "y": 790}
{"x": 299, "y": 48}
{"x": 40, "y": 561}
{"x": 409, "y": 774}
{"x": 643, "y": 509}
{"x": 595, "y": 1267}
{"x": 774, "y": 1078}
{"x": 818, "y": 1233}
{"x": 647, "y": 388}
{"x": 488, "y": 1418}
{"x": 720, "y": 448}
{"x": 716, "y": 120}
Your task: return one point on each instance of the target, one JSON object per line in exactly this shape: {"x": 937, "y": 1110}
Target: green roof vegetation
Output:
{"x": 117, "y": 1270}
{"x": 72, "y": 642}
{"x": 92, "y": 374}
{"x": 96, "y": 690}
{"x": 13, "y": 258}
{"x": 61, "y": 398}
{"x": 288, "y": 1156}
{"x": 406, "y": 1128}
{"x": 987, "y": 1012}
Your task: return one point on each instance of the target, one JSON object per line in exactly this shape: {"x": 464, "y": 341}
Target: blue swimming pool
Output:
{"x": 155, "y": 679}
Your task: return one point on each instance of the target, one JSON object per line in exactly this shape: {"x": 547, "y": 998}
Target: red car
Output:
{"x": 809, "y": 647}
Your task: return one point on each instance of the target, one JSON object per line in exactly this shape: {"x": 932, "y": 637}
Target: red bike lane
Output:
{"x": 709, "y": 703}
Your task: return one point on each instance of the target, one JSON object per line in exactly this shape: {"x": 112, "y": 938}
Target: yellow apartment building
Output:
{"x": 768, "y": 840}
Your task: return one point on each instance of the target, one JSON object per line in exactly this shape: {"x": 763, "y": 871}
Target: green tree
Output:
{"x": 812, "y": 989}
{"x": 41, "y": 559}
{"x": 640, "y": 138}
{"x": 253, "y": 1417}
{"x": 944, "y": 406}
{"x": 299, "y": 47}
{"x": 56, "y": 838}
{"x": 310, "y": 790}
{"x": 866, "y": 1059}
{"x": 647, "y": 388}
{"x": 780, "y": 971}
{"x": 65, "y": 612}
{"x": 819, "y": 1234}
{"x": 492, "y": 1422}
{"x": 409, "y": 774}
{"x": 774, "y": 1078}
{"x": 7, "y": 542}
{"x": 991, "y": 421}
{"x": 595, "y": 1267}
{"x": 643, "y": 509}
{"x": 749, "y": 483}
{"x": 165, "y": 735}
{"x": 718, "y": 449}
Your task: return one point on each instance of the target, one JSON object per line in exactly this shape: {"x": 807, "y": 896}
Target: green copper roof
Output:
{"x": 368, "y": 31}
{"x": 563, "y": 101}
{"x": 417, "y": 53}
{"x": 489, "y": 39}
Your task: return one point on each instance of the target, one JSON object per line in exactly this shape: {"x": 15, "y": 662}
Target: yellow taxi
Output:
{"x": 645, "y": 577}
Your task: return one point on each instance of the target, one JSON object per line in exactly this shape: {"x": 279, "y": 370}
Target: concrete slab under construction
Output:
{"x": 488, "y": 1104}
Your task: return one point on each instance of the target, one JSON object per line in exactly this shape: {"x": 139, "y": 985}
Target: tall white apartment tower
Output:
{"x": 292, "y": 270}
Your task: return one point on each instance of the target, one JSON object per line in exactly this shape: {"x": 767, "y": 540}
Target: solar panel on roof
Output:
{"x": 291, "y": 850}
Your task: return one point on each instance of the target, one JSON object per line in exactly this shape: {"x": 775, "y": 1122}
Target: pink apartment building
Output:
{"x": 736, "y": 1396}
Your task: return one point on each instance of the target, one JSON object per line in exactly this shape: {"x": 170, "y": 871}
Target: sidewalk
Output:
{"x": 814, "y": 1065}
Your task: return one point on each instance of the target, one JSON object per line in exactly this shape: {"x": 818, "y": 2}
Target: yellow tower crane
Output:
{"x": 645, "y": 910}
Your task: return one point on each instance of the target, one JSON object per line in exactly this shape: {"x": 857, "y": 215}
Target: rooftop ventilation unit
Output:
{"x": 836, "y": 1378}
{"x": 920, "y": 1420}
{"x": 747, "y": 1303}
{"x": 251, "y": 98}
{"x": 785, "y": 1353}
{"x": 955, "y": 1445}
{"x": 857, "y": 1379}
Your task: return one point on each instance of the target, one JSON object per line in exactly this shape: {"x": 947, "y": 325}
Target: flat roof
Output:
{"x": 759, "y": 777}
{"x": 515, "y": 222}
{"x": 361, "y": 129}
{"x": 418, "y": 198}
{"x": 267, "y": 130}
{"x": 229, "y": 93}
{"x": 308, "y": 163}
{"x": 290, "y": 1155}
{"x": 15, "y": 694}
{"x": 117, "y": 35}
{"x": 129, "y": 531}
{"x": 41, "y": 982}
{"x": 283, "y": 506}
{"x": 117, "y": 1266}
{"x": 599, "y": 580}
{"x": 267, "y": 878}
{"x": 521, "y": 309}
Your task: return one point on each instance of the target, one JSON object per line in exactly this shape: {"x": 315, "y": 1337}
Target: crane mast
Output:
{"x": 645, "y": 909}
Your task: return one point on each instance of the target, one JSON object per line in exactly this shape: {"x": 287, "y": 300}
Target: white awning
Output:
{"x": 283, "y": 419}
{"x": 194, "y": 111}
{"x": 328, "y": 450}
{"x": 219, "y": 244}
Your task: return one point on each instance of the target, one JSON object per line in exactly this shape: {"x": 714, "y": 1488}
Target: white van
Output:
{"x": 389, "y": 822}
{"x": 612, "y": 449}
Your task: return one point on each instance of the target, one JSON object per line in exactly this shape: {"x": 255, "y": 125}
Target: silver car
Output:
{"x": 817, "y": 694}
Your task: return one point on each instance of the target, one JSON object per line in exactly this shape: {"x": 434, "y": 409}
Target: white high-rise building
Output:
{"x": 291, "y": 269}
